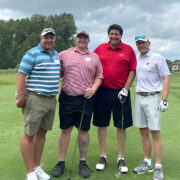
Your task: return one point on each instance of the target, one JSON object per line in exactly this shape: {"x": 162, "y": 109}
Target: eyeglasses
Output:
{"x": 140, "y": 37}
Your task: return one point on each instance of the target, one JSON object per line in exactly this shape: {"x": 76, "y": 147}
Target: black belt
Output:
{"x": 148, "y": 93}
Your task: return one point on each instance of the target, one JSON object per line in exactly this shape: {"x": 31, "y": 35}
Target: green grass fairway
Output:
{"x": 11, "y": 130}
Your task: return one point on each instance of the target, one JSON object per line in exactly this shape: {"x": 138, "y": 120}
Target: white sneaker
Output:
{"x": 101, "y": 164}
{"x": 41, "y": 174}
{"x": 31, "y": 176}
{"x": 122, "y": 166}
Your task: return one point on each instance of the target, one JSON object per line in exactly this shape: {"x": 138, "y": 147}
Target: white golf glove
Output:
{"x": 122, "y": 95}
{"x": 163, "y": 106}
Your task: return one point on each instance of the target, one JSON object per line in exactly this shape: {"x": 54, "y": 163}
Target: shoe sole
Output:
{"x": 142, "y": 172}
{"x": 100, "y": 167}
{"x": 123, "y": 169}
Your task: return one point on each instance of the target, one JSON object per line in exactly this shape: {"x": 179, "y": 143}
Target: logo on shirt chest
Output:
{"x": 56, "y": 61}
{"x": 121, "y": 55}
{"x": 87, "y": 59}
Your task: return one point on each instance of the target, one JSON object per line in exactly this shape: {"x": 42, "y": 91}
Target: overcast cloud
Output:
{"x": 158, "y": 19}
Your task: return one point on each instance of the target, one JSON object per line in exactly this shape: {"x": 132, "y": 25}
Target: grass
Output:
{"x": 11, "y": 130}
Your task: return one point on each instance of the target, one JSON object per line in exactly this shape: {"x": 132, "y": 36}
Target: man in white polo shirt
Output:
{"x": 152, "y": 77}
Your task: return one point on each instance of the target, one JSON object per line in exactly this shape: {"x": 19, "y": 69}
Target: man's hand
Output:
{"x": 89, "y": 93}
{"x": 122, "y": 95}
{"x": 163, "y": 106}
{"x": 20, "y": 103}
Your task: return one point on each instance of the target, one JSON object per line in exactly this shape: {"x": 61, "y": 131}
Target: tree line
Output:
{"x": 17, "y": 36}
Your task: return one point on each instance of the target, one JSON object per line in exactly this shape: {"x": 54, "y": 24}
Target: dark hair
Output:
{"x": 117, "y": 27}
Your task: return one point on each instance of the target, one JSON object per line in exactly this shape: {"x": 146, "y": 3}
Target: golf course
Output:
{"x": 11, "y": 130}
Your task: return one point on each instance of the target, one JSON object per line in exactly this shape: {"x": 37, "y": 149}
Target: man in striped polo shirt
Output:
{"x": 37, "y": 98}
{"x": 82, "y": 75}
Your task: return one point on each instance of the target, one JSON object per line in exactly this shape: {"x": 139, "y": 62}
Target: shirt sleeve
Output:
{"x": 133, "y": 62}
{"x": 162, "y": 66}
{"x": 60, "y": 59}
{"x": 99, "y": 69}
{"x": 27, "y": 63}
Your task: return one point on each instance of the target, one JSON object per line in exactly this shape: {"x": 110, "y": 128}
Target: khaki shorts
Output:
{"x": 146, "y": 113}
{"x": 38, "y": 113}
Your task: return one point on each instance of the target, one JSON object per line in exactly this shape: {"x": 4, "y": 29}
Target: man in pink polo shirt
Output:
{"x": 82, "y": 75}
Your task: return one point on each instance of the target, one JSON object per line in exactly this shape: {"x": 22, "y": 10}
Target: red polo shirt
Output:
{"x": 117, "y": 63}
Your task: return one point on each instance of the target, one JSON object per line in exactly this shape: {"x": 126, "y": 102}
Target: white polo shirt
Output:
{"x": 150, "y": 70}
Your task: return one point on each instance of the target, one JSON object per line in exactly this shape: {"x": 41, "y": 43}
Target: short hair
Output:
{"x": 117, "y": 27}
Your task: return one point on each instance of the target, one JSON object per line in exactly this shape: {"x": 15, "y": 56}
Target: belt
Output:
{"x": 40, "y": 95}
{"x": 148, "y": 93}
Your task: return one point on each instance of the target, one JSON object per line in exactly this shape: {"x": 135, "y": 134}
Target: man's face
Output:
{"x": 47, "y": 41}
{"x": 114, "y": 37}
{"x": 143, "y": 46}
{"x": 82, "y": 42}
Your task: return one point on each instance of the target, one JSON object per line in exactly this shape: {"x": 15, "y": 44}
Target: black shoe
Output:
{"x": 59, "y": 169}
{"x": 84, "y": 171}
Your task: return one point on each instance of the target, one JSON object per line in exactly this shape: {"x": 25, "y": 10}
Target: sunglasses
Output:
{"x": 140, "y": 37}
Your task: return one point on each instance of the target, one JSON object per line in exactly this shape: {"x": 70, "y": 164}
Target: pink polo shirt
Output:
{"x": 79, "y": 71}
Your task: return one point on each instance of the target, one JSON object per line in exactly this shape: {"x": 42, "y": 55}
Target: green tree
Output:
{"x": 17, "y": 36}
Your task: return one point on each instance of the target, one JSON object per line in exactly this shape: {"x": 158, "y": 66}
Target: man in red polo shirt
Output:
{"x": 119, "y": 65}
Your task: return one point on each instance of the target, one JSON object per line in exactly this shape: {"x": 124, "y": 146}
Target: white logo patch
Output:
{"x": 87, "y": 59}
{"x": 56, "y": 61}
{"x": 121, "y": 55}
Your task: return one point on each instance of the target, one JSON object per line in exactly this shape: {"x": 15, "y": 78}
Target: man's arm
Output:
{"x": 21, "y": 89}
{"x": 130, "y": 80}
{"x": 91, "y": 91}
{"x": 166, "y": 87}
{"x": 122, "y": 95}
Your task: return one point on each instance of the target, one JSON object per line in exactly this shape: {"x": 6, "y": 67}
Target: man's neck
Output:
{"x": 114, "y": 46}
{"x": 81, "y": 50}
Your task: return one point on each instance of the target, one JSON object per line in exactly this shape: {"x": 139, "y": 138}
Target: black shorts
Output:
{"x": 106, "y": 101}
{"x": 70, "y": 111}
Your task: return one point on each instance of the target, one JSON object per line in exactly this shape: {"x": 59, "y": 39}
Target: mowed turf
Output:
{"x": 11, "y": 130}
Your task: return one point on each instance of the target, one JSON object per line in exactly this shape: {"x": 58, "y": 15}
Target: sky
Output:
{"x": 159, "y": 20}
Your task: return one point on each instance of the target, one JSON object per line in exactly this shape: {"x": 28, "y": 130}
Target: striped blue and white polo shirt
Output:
{"x": 43, "y": 70}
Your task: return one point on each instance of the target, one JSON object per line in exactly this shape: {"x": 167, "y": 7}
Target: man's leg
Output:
{"x": 121, "y": 137}
{"x": 157, "y": 146}
{"x": 39, "y": 140}
{"x": 64, "y": 140}
{"x": 102, "y": 132}
{"x": 146, "y": 142}
{"x": 146, "y": 165}
{"x": 27, "y": 151}
{"x": 83, "y": 142}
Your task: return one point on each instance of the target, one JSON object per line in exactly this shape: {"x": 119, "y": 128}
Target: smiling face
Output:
{"x": 82, "y": 42}
{"x": 47, "y": 42}
{"x": 114, "y": 38}
{"x": 143, "y": 46}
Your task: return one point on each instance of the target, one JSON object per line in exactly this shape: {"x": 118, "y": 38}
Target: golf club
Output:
{"x": 69, "y": 174}
{"x": 117, "y": 175}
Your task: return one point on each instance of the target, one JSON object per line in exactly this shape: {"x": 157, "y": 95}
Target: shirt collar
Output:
{"x": 119, "y": 47}
{"x": 85, "y": 52}
{"x": 147, "y": 54}
{"x": 43, "y": 50}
